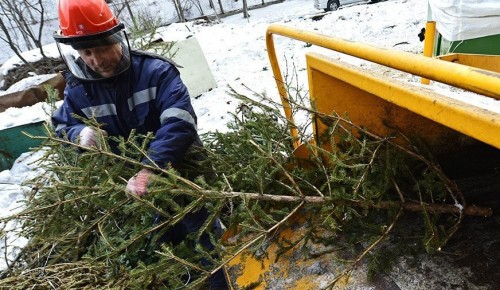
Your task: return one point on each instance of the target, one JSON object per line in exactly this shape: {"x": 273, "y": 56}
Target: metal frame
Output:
{"x": 466, "y": 118}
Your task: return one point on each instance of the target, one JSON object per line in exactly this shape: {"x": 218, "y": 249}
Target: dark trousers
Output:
{"x": 191, "y": 223}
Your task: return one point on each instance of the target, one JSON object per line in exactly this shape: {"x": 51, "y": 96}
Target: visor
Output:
{"x": 111, "y": 45}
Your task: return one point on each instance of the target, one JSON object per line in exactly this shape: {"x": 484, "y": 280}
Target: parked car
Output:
{"x": 332, "y": 5}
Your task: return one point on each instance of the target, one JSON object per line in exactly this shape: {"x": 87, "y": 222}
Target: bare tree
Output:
{"x": 38, "y": 17}
{"x": 220, "y": 6}
{"x": 120, "y": 5}
{"x": 245, "y": 9}
{"x": 27, "y": 18}
{"x": 12, "y": 43}
{"x": 212, "y": 5}
{"x": 179, "y": 10}
{"x": 197, "y": 4}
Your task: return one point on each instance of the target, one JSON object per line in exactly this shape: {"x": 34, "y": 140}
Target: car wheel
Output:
{"x": 332, "y": 5}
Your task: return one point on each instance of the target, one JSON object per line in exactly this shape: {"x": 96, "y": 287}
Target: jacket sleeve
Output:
{"x": 65, "y": 124}
{"x": 177, "y": 131}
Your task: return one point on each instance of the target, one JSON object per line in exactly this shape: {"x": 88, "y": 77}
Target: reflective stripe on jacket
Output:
{"x": 149, "y": 97}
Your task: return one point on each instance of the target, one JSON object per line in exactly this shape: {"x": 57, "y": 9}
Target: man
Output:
{"x": 124, "y": 90}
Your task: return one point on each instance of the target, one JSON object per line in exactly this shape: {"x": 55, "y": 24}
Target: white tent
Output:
{"x": 465, "y": 19}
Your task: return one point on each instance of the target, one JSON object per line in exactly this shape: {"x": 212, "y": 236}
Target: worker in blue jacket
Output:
{"x": 124, "y": 90}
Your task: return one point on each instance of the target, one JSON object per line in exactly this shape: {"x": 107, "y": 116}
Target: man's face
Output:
{"x": 103, "y": 60}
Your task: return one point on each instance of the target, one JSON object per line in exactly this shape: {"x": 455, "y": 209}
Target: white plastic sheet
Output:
{"x": 466, "y": 19}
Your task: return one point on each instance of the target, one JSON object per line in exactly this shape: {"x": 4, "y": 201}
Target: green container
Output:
{"x": 13, "y": 142}
{"x": 489, "y": 45}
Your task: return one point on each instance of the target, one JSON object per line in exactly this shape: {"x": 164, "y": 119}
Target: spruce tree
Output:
{"x": 86, "y": 231}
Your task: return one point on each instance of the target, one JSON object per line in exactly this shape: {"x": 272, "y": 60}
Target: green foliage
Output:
{"x": 79, "y": 211}
{"x": 354, "y": 172}
{"x": 145, "y": 35}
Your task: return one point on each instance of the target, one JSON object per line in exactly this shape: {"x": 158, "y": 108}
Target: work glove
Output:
{"x": 89, "y": 136}
{"x": 138, "y": 184}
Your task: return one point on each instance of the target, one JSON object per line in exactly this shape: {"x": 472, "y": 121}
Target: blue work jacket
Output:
{"x": 149, "y": 97}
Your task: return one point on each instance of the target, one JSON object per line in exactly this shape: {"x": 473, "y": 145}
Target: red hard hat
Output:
{"x": 85, "y": 17}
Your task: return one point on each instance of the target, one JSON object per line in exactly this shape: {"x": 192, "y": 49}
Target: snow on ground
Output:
{"x": 11, "y": 201}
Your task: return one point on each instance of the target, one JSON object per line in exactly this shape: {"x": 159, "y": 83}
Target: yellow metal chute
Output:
{"x": 384, "y": 106}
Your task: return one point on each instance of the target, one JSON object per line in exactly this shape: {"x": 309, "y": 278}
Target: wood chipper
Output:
{"x": 462, "y": 135}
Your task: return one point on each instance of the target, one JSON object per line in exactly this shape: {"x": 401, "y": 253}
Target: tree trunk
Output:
{"x": 178, "y": 9}
{"x": 130, "y": 13}
{"x": 221, "y": 7}
{"x": 215, "y": 10}
{"x": 245, "y": 9}
{"x": 13, "y": 46}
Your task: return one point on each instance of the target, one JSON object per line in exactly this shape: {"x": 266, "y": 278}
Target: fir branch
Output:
{"x": 368, "y": 166}
{"x": 258, "y": 237}
{"x": 296, "y": 189}
{"x": 153, "y": 166}
{"x": 366, "y": 251}
{"x": 407, "y": 205}
{"x": 79, "y": 275}
{"x": 257, "y": 172}
{"x": 166, "y": 252}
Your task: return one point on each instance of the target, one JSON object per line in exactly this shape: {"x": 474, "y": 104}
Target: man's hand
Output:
{"x": 89, "y": 136}
{"x": 138, "y": 184}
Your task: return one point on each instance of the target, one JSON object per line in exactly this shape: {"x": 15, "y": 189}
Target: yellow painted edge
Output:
{"x": 466, "y": 118}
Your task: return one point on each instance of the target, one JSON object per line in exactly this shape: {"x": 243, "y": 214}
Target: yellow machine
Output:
{"x": 386, "y": 107}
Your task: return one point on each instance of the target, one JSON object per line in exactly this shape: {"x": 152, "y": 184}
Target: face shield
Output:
{"x": 97, "y": 56}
